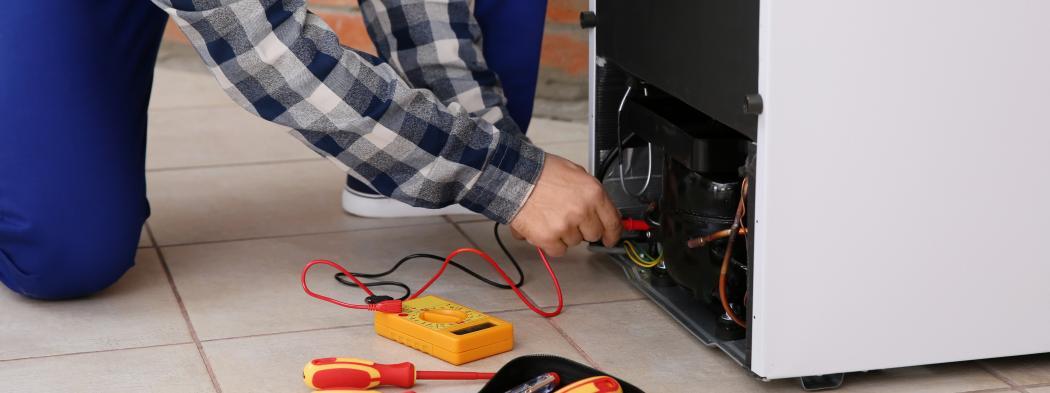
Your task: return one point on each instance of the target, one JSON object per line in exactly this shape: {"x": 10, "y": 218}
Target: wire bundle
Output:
{"x": 641, "y": 258}
{"x": 343, "y": 275}
{"x": 343, "y": 278}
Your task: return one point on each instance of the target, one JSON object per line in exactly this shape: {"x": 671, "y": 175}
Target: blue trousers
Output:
{"x": 75, "y": 80}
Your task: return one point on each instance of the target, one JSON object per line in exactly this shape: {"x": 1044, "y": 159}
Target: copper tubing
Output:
{"x": 705, "y": 240}
{"x": 733, "y": 230}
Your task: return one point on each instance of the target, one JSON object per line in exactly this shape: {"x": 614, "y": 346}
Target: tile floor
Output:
{"x": 214, "y": 304}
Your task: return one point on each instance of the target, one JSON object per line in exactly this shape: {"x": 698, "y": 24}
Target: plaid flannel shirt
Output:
{"x": 450, "y": 143}
{"x": 436, "y": 45}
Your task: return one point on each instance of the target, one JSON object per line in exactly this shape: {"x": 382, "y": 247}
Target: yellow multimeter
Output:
{"x": 446, "y": 330}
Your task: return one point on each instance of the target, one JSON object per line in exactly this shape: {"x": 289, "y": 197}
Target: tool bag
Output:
{"x": 525, "y": 368}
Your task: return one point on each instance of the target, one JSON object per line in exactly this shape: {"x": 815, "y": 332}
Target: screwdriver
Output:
{"x": 355, "y": 391}
{"x": 350, "y": 373}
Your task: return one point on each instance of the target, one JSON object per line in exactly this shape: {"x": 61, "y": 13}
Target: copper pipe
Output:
{"x": 741, "y": 208}
{"x": 719, "y": 235}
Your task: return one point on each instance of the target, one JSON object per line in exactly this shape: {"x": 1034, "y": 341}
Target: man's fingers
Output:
{"x": 611, "y": 224}
{"x": 591, "y": 228}
{"x": 554, "y": 248}
{"x": 567, "y": 206}
{"x": 572, "y": 237}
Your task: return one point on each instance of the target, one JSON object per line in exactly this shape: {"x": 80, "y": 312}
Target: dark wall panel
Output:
{"x": 704, "y": 52}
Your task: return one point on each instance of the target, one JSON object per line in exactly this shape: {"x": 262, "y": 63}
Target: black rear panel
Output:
{"x": 704, "y": 52}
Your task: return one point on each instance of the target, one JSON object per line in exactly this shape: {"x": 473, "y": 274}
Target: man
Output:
{"x": 75, "y": 80}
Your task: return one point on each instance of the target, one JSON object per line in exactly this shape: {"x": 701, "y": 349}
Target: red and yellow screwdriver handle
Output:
{"x": 355, "y": 391}
{"x": 352, "y": 373}
{"x": 361, "y": 374}
{"x": 602, "y": 384}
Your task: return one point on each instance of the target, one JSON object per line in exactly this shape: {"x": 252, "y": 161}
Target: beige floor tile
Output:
{"x": 174, "y": 369}
{"x": 218, "y": 135}
{"x": 1024, "y": 370}
{"x": 585, "y": 277}
{"x": 547, "y": 131}
{"x": 139, "y": 310}
{"x": 185, "y": 89}
{"x": 1042, "y": 389}
{"x": 573, "y": 151}
{"x": 468, "y": 218}
{"x": 144, "y": 240}
{"x": 952, "y": 377}
{"x": 251, "y": 287}
{"x": 212, "y": 204}
{"x": 277, "y": 360}
{"x": 646, "y": 347}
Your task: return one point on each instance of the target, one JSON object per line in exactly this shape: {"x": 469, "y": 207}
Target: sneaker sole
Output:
{"x": 372, "y": 206}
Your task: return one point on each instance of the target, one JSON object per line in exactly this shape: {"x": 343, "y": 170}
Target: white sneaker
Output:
{"x": 372, "y": 205}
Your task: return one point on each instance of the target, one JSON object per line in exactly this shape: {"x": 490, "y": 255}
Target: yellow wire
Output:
{"x": 659, "y": 258}
{"x": 634, "y": 256}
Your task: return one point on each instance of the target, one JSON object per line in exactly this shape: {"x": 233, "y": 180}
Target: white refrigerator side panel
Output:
{"x": 592, "y": 45}
{"x": 903, "y": 210}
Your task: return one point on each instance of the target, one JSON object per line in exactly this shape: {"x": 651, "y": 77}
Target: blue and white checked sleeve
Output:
{"x": 278, "y": 60}
{"x": 436, "y": 45}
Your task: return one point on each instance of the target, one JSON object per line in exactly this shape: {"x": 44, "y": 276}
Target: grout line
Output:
{"x": 234, "y": 165}
{"x": 572, "y": 342}
{"x": 463, "y": 233}
{"x": 243, "y": 239}
{"x": 93, "y": 352}
{"x": 1002, "y": 377}
{"x": 287, "y": 332}
{"x": 470, "y": 220}
{"x": 185, "y": 314}
{"x": 1037, "y": 385}
{"x": 995, "y": 390}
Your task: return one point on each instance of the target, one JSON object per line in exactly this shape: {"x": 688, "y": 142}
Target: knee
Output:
{"x": 59, "y": 264}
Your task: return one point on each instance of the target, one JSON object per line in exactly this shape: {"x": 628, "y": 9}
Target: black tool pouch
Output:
{"x": 525, "y": 368}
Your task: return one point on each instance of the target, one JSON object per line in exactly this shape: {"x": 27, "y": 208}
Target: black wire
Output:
{"x": 345, "y": 281}
{"x": 521, "y": 275}
{"x": 341, "y": 278}
{"x": 606, "y": 164}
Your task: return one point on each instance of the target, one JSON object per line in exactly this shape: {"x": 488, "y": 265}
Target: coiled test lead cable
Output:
{"x": 649, "y": 156}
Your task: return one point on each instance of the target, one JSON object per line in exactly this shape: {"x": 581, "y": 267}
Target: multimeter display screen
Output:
{"x": 472, "y": 329}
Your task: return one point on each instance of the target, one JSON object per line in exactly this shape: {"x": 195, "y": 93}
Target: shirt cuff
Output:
{"x": 507, "y": 179}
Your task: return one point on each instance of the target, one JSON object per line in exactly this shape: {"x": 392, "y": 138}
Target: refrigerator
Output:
{"x": 895, "y": 153}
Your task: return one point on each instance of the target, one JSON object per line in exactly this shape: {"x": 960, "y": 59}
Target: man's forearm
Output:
{"x": 286, "y": 65}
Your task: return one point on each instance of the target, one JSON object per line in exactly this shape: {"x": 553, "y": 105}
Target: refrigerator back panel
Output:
{"x": 703, "y": 52}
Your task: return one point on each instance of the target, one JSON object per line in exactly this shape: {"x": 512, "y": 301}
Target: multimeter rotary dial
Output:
{"x": 442, "y": 316}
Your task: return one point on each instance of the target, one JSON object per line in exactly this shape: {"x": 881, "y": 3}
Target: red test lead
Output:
{"x": 635, "y": 225}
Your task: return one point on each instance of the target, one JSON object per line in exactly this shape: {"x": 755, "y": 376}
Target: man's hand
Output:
{"x": 567, "y": 206}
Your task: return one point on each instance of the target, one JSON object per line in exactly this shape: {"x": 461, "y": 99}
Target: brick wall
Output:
{"x": 563, "y": 62}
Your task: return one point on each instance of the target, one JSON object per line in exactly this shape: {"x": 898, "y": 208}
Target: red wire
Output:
{"x": 306, "y": 288}
{"x": 521, "y": 295}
